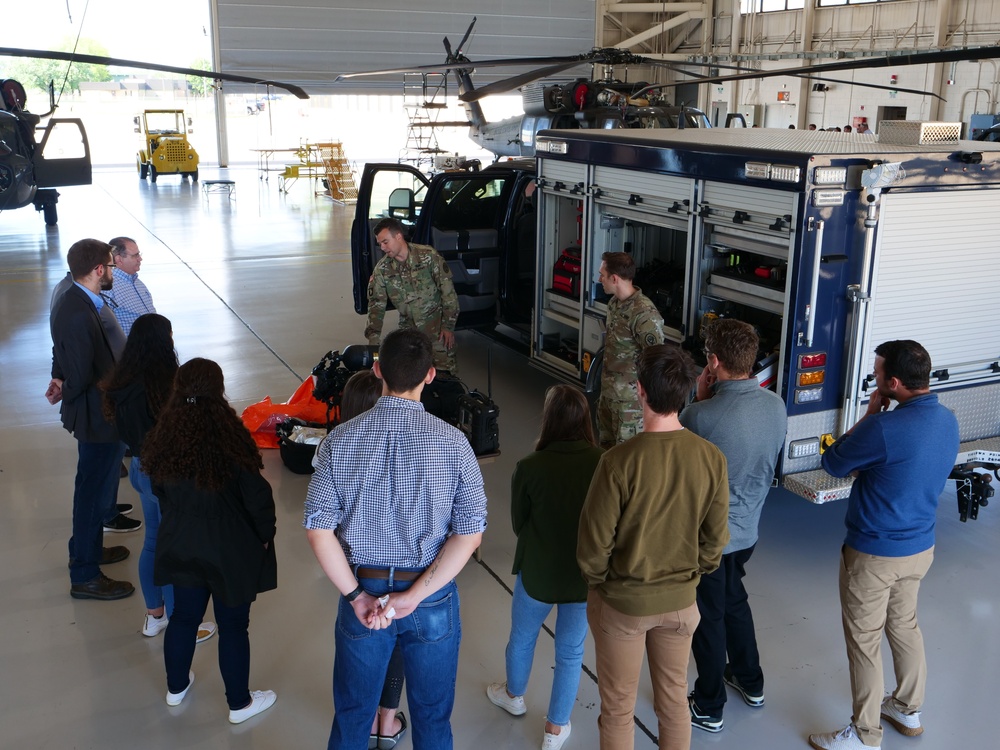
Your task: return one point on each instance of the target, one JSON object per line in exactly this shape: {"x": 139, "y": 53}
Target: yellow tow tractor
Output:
{"x": 165, "y": 147}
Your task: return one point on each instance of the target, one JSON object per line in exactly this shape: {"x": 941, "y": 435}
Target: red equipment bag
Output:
{"x": 566, "y": 272}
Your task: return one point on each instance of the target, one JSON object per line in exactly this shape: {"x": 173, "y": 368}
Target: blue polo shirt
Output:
{"x": 903, "y": 458}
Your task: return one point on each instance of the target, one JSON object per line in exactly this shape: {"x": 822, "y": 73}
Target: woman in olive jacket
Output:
{"x": 217, "y": 533}
{"x": 547, "y": 493}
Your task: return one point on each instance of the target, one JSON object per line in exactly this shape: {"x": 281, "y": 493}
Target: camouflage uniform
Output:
{"x": 632, "y": 325}
{"x": 421, "y": 289}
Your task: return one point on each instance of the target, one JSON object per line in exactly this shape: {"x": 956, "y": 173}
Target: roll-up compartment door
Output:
{"x": 934, "y": 280}
{"x": 643, "y": 190}
{"x": 568, "y": 174}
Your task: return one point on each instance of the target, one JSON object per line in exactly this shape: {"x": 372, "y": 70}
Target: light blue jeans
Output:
{"x": 527, "y": 616}
{"x": 155, "y": 596}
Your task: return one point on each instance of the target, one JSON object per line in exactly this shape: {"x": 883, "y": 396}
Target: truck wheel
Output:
{"x": 143, "y": 169}
{"x": 194, "y": 176}
{"x": 152, "y": 173}
{"x": 51, "y": 214}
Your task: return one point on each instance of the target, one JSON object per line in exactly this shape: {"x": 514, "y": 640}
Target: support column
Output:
{"x": 221, "y": 128}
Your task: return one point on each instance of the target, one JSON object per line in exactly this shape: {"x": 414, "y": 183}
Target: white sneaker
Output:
{"x": 497, "y": 693}
{"x": 555, "y": 741}
{"x": 205, "y": 631}
{"x": 174, "y": 699}
{"x": 908, "y": 724}
{"x": 260, "y": 701}
{"x": 154, "y": 625}
{"x": 846, "y": 739}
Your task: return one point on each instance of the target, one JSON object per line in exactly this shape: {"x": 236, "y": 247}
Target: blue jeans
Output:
{"x": 234, "y": 643}
{"x": 429, "y": 639}
{"x": 155, "y": 596}
{"x": 96, "y": 491}
{"x": 527, "y": 616}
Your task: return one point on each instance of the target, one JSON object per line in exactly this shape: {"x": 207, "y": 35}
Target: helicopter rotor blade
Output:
{"x": 470, "y": 64}
{"x": 965, "y": 54}
{"x": 507, "y": 84}
{"x": 701, "y": 76}
{"x": 461, "y": 44}
{"x": 98, "y": 60}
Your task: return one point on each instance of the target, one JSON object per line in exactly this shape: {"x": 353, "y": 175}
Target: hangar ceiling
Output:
{"x": 311, "y": 42}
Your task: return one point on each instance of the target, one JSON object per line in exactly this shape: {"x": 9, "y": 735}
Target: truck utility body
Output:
{"x": 829, "y": 243}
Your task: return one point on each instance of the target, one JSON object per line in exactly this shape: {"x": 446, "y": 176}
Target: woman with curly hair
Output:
{"x": 547, "y": 493}
{"x": 217, "y": 533}
{"x": 134, "y": 394}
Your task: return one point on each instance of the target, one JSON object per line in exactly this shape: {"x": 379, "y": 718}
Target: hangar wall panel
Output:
{"x": 311, "y": 42}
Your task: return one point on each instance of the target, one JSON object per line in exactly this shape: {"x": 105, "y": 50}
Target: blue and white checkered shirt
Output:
{"x": 395, "y": 482}
{"x": 131, "y": 298}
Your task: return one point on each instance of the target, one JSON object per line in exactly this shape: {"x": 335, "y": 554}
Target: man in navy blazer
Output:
{"x": 81, "y": 357}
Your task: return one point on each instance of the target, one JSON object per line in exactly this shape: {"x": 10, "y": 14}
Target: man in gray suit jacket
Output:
{"x": 81, "y": 356}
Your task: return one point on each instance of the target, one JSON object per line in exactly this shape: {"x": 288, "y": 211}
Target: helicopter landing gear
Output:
{"x": 45, "y": 201}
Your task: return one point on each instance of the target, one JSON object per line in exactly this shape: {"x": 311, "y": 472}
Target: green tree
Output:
{"x": 35, "y": 74}
{"x": 200, "y": 86}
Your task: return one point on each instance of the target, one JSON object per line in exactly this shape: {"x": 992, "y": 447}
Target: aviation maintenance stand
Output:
{"x": 424, "y": 97}
{"x": 324, "y": 161}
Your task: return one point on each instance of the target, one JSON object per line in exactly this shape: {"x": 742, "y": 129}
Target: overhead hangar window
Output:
{"x": 770, "y": 6}
{"x": 828, "y": 3}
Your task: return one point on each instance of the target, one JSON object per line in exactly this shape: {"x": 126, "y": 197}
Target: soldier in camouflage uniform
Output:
{"x": 418, "y": 282}
{"x": 633, "y": 324}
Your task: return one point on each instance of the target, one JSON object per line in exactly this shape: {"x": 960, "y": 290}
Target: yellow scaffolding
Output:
{"x": 327, "y": 161}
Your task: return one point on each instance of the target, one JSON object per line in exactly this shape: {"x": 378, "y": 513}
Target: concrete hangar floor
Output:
{"x": 262, "y": 284}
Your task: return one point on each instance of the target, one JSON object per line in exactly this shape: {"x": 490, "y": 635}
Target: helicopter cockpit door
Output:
{"x": 63, "y": 155}
{"x": 386, "y": 191}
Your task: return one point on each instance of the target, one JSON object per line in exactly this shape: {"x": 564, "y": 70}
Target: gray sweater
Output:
{"x": 747, "y": 423}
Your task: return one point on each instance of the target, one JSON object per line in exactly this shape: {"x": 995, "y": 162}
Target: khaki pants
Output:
{"x": 621, "y": 641}
{"x": 879, "y": 594}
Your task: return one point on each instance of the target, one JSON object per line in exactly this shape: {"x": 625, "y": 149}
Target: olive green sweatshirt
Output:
{"x": 655, "y": 519}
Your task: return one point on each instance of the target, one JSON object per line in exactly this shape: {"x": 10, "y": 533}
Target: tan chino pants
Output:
{"x": 879, "y": 594}
{"x": 621, "y": 640}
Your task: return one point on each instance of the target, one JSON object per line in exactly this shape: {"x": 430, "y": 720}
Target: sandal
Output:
{"x": 387, "y": 743}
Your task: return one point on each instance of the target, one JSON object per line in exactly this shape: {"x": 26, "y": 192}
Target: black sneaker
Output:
{"x": 703, "y": 721}
{"x": 125, "y": 508}
{"x": 752, "y": 699}
{"x": 121, "y": 524}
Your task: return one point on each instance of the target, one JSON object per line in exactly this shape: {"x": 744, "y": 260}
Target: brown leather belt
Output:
{"x": 386, "y": 573}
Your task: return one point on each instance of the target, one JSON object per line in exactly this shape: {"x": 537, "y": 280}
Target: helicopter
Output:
{"x": 609, "y": 103}
{"x": 606, "y": 103}
{"x": 27, "y": 175}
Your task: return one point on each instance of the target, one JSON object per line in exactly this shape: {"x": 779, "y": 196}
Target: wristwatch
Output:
{"x": 354, "y": 594}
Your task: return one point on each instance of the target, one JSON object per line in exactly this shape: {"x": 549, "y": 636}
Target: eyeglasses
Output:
{"x": 137, "y": 256}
